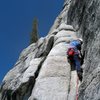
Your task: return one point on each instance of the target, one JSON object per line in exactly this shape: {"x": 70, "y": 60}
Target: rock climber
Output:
{"x": 74, "y": 56}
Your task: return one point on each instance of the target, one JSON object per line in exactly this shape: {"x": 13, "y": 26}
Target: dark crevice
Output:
{"x": 45, "y": 54}
{"x": 45, "y": 48}
{"x": 83, "y": 57}
{"x": 20, "y": 93}
{"x": 39, "y": 67}
{"x": 82, "y": 15}
{"x": 49, "y": 46}
{"x": 69, "y": 86}
{"x": 67, "y": 29}
{"x": 3, "y": 93}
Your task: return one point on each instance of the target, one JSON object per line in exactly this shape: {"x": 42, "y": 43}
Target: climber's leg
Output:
{"x": 77, "y": 62}
{"x": 77, "y": 65}
{"x": 72, "y": 63}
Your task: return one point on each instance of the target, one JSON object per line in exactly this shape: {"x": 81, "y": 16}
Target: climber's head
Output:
{"x": 80, "y": 40}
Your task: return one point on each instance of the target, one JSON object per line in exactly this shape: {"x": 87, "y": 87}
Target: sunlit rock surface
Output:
{"x": 42, "y": 71}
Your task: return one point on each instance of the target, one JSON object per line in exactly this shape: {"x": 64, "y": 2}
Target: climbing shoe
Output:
{"x": 79, "y": 73}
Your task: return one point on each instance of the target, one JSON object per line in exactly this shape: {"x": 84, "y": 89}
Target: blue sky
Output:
{"x": 16, "y": 18}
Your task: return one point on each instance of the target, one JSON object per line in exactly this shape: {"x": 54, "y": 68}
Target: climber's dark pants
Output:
{"x": 71, "y": 61}
{"x": 77, "y": 62}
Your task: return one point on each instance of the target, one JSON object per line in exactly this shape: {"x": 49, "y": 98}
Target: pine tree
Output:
{"x": 34, "y": 34}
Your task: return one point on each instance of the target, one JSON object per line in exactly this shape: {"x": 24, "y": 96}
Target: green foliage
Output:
{"x": 34, "y": 34}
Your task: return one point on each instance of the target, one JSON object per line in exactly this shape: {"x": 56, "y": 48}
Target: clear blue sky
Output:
{"x": 16, "y": 18}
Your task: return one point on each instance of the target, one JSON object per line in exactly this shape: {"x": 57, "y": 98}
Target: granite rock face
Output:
{"x": 42, "y": 71}
{"x": 84, "y": 15}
